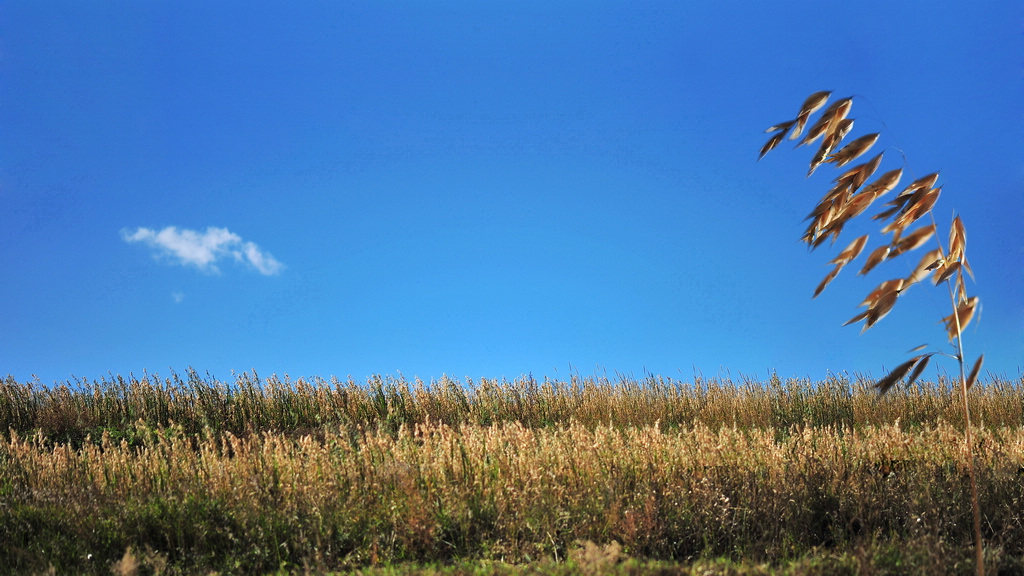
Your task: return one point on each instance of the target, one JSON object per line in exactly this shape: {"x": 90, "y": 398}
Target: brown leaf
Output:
{"x": 957, "y": 239}
{"x": 838, "y": 109}
{"x": 815, "y": 101}
{"x": 866, "y": 172}
{"x": 810, "y": 105}
{"x": 915, "y": 206}
{"x": 893, "y": 226}
{"x": 821, "y": 208}
{"x": 841, "y": 129}
{"x": 820, "y": 224}
{"x": 964, "y": 314}
{"x": 943, "y": 272}
{"x": 820, "y": 227}
{"x": 886, "y": 214}
{"x": 898, "y": 203}
{"x": 834, "y": 228}
{"x": 851, "y": 251}
{"x": 896, "y": 238}
{"x": 958, "y": 227}
{"x": 856, "y": 318}
{"x": 961, "y": 290}
{"x": 780, "y": 126}
{"x": 835, "y": 197}
{"x": 919, "y": 368}
{"x": 853, "y": 150}
{"x": 922, "y": 183}
{"x": 808, "y": 236}
{"x": 974, "y": 371}
{"x": 828, "y": 278}
{"x": 885, "y": 183}
{"x": 914, "y": 240}
{"x": 884, "y": 287}
{"x": 893, "y": 377}
{"x": 801, "y": 121}
{"x": 844, "y": 179}
{"x": 882, "y": 306}
{"x": 879, "y": 302}
{"x": 817, "y": 130}
{"x": 874, "y": 259}
{"x": 857, "y": 205}
{"x": 819, "y": 156}
{"x": 967, "y": 267}
{"x": 927, "y": 202}
{"x": 928, "y": 262}
{"x": 771, "y": 143}
{"x": 832, "y": 139}
{"x": 839, "y": 118}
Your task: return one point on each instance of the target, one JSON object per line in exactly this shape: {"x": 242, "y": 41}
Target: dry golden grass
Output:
{"x": 508, "y": 492}
{"x": 247, "y": 475}
{"x": 252, "y": 405}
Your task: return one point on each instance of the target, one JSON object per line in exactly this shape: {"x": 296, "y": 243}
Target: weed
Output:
{"x": 849, "y": 197}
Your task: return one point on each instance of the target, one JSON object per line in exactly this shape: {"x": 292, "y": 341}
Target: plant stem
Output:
{"x": 978, "y": 552}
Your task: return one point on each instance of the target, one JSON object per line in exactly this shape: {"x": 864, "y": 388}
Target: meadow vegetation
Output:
{"x": 591, "y": 475}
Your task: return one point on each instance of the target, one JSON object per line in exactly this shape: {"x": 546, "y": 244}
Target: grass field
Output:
{"x": 588, "y": 475}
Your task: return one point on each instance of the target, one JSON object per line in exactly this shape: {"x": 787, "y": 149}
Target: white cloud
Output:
{"x": 265, "y": 263}
{"x": 178, "y": 297}
{"x": 203, "y": 249}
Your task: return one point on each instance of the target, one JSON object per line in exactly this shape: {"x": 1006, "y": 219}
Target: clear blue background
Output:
{"x": 485, "y": 189}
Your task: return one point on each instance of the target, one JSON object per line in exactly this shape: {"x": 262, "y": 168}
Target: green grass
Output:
{"x": 714, "y": 477}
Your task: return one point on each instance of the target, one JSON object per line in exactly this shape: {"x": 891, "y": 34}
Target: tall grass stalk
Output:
{"x": 845, "y": 201}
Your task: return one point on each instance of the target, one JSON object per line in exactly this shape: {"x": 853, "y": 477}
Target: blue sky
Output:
{"x": 484, "y": 189}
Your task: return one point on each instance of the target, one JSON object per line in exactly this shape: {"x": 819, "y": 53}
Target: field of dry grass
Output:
{"x": 254, "y": 475}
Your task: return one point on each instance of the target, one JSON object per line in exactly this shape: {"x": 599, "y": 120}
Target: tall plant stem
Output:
{"x": 978, "y": 552}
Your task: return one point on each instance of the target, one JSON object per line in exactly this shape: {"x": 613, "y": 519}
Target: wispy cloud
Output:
{"x": 204, "y": 249}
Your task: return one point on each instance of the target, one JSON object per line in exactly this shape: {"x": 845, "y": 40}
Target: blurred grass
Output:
{"x": 70, "y": 412}
{"x": 256, "y": 476}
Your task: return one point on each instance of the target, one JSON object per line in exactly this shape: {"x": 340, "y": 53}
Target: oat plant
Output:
{"x": 850, "y": 196}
